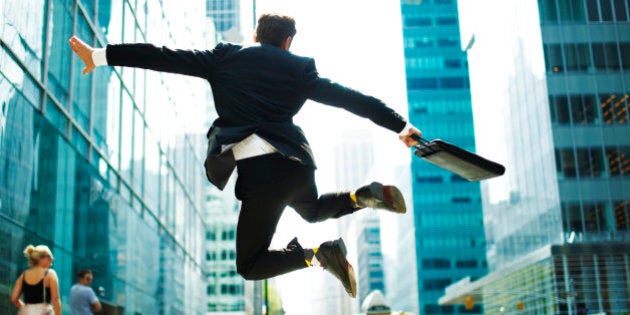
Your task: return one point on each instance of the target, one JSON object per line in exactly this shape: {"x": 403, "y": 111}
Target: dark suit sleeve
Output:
{"x": 326, "y": 92}
{"x": 147, "y": 56}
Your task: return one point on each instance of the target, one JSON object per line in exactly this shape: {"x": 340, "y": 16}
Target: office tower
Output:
{"x": 352, "y": 157}
{"x": 226, "y": 290}
{"x": 100, "y": 167}
{"x": 399, "y": 251}
{"x": 450, "y": 240}
{"x": 226, "y": 15}
{"x": 550, "y": 90}
{"x": 370, "y": 266}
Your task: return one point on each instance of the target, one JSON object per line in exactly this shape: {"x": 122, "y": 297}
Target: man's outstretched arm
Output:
{"x": 333, "y": 94}
{"x": 146, "y": 56}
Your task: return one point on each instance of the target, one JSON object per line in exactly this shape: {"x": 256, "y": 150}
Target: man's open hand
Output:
{"x": 84, "y": 51}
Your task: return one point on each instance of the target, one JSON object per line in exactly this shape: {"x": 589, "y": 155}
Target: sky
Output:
{"x": 359, "y": 44}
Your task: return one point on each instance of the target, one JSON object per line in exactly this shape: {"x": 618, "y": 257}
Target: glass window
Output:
{"x": 578, "y": 11}
{"x": 592, "y": 9}
{"x": 22, "y": 31}
{"x": 129, "y": 25}
{"x": 625, "y": 55}
{"x": 590, "y": 108}
{"x": 607, "y": 12}
{"x": 607, "y": 108}
{"x": 562, "y": 107}
{"x": 584, "y": 165}
{"x": 582, "y": 57}
{"x": 89, "y": 7}
{"x": 422, "y": 83}
{"x": 452, "y": 64}
{"x": 81, "y": 98}
{"x": 553, "y": 58}
{"x": 577, "y": 109}
{"x": 417, "y": 21}
{"x": 571, "y": 11}
{"x": 436, "y": 263}
{"x": 552, "y": 109}
{"x": 59, "y": 52}
{"x": 446, "y": 21}
{"x": 595, "y": 217}
{"x": 599, "y": 57}
{"x": 568, "y": 163}
{"x": 138, "y": 152}
{"x": 152, "y": 170}
{"x": 558, "y": 155}
{"x": 454, "y": 83}
{"x": 79, "y": 142}
{"x": 110, "y": 20}
{"x": 571, "y": 217}
{"x": 576, "y": 57}
{"x": 126, "y": 145}
{"x": 622, "y": 215}
{"x": 466, "y": 263}
{"x": 614, "y": 108}
{"x": 448, "y": 42}
{"x": 612, "y": 56}
{"x": 570, "y": 57}
{"x": 612, "y": 155}
{"x": 56, "y": 116}
{"x": 624, "y": 160}
{"x": 435, "y": 284}
{"x": 620, "y": 108}
{"x": 548, "y": 12}
{"x": 564, "y": 10}
{"x": 597, "y": 161}
{"x": 620, "y": 10}
{"x": 423, "y": 42}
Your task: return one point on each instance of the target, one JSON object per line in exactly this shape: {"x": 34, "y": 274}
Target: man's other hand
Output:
{"x": 84, "y": 51}
{"x": 408, "y": 140}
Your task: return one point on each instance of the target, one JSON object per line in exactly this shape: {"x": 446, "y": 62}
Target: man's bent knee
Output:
{"x": 245, "y": 270}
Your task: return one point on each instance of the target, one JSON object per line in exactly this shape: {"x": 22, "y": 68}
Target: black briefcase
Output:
{"x": 457, "y": 160}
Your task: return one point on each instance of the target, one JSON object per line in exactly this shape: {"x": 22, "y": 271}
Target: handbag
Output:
{"x": 457, "y": 160}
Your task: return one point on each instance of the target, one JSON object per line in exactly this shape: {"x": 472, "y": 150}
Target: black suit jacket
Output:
{"x": 256, "y": 89}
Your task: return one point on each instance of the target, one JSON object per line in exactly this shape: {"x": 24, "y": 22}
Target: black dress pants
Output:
{"x": 265, "y": 185}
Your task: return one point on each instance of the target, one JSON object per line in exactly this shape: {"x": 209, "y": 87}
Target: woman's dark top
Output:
{"x": 34, "y": 294}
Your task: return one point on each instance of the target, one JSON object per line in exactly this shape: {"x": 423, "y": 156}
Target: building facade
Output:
{"x": 352, "y": 153}
{"x": 450, "y": 241}
{"x": 550, "y": 85}
{"x": 226, "y": 15}
{"x": 102, "y": 167}
{"x": 370, "y": 267}
{"x": 226, "y": 290}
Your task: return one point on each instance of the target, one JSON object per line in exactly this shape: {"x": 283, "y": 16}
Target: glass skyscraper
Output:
{"x": 99, "y": 167}
{"x": 550, "y": 85}
{"x": 450, "y": 241}
{"x": 226, "y": 16}
{"x": 370, "y": 266}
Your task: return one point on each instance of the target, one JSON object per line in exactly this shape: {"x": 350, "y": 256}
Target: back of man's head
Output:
{"x": 83, "y": 272}
{"x": 274, "y": 29}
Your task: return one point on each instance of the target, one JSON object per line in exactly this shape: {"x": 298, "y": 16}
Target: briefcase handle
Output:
{"x": 422, "y": 141}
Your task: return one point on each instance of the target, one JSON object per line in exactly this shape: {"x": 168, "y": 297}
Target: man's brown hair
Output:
{"x": 274, "y": 29}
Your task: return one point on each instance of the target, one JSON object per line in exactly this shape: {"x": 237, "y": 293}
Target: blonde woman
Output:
{"x": 38, "y": 285}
